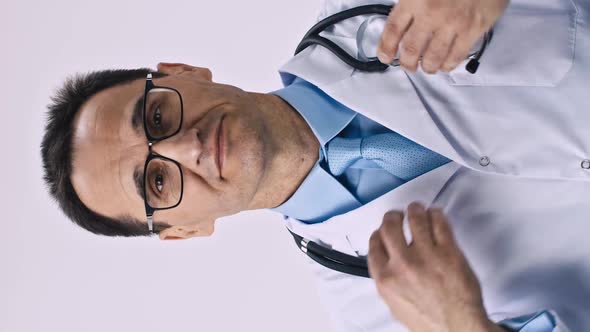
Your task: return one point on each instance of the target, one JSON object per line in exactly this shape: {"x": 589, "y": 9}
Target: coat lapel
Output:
{"x": 390, "y": 99}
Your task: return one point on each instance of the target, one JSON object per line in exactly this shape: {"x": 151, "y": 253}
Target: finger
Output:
{"x": 378, "y": 258}
{"x": 413, "y": 44}
{"x": 392, "y": 234}
{"x": 173, "y": 68}
{"x": 459, "y": 51}
{"x": 437, "y": 51}
{"x": 443, "y": 234}
{"x": 420, "y": 225}
{"x": 396, "y": 25}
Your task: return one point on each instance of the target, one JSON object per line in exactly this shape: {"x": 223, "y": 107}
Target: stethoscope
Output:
{"x": 370, "y": 64}
{"x": 329, "y": 258}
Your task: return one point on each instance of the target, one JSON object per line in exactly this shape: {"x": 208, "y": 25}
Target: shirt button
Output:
{"x": 484, "y": 161}
{"x": 586, "y": 164}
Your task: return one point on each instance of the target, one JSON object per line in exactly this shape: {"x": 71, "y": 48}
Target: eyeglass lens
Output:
{"x": 163, "y": 179}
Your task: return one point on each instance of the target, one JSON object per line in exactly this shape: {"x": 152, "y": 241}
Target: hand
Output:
{"x": 428, "y": 285}
{"x": 442, "y": 31}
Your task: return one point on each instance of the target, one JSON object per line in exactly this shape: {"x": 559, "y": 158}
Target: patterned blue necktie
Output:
{"x": 392, "y": 152}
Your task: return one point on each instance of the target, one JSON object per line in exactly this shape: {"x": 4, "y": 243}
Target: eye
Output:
{"x": 157, "y": 117}
{"x": 159, "y": 182}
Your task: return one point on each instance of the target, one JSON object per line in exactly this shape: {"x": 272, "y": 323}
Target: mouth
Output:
{"x": 220, "y": 151}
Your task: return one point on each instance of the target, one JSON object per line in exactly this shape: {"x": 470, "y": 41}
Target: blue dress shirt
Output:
{"x": 360, "y": 183}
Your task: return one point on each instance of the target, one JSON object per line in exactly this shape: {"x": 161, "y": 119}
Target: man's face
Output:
{"x": 109, "y": 150}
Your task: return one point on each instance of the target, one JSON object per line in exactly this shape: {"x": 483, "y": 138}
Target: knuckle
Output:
{"x": 433, "y": 59}
{"x": 404, "y": 267}
{"x": 435, "y": 5}
{"x": 410, "y": 48}
{"x": 440, "y": 47}
{"x": 385, "y": 277}
{"x": 387, "y": 228}
{"x": 403, "y": 270}
{"x": 393, "y": 29}
{"x": 462, "y": 26}
{"x": 374, "y": 239}
{"x": 478, "y": 21}
{"x": 463, "y": 21}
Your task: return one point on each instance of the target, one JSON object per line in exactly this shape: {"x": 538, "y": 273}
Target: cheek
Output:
{"x": 201, "y": 201}
{"x": 247, "y": 151}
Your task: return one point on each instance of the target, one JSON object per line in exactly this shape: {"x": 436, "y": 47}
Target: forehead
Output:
{"x": 106, "y": 150}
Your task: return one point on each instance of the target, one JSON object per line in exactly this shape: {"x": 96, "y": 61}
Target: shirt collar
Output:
{"x": 326, "y": 117}
{"x": 318, "y": 198}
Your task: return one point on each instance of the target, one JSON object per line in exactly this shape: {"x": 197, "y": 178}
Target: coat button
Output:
{"x": 586, "y": 164}
{"x": 484, "y": 161}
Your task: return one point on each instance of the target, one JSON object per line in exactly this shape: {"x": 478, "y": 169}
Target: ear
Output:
{"x": 181, "y": 68}
{"x": 186, "y": 232}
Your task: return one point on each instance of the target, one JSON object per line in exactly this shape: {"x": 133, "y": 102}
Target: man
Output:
{"x": 451, "y": 140}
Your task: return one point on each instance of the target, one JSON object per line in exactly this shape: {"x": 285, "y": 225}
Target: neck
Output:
{"x": 291, "y": 152}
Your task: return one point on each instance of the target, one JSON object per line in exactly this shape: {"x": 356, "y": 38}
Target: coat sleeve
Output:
{"x": 542, "y": 321}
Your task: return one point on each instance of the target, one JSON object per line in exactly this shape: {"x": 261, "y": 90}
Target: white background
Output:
{"x": 55, "y": 277}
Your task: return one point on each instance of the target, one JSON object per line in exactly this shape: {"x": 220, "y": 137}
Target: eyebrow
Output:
{"x": 137, "y": 115}
{"x": 137, "y": 124}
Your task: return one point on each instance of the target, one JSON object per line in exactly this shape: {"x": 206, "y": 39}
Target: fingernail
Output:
{"x": 169, "y": 64}
{"x": 384, "y": 58}
{"x": 428, "y": 68}
{"x": 416, "y": 206}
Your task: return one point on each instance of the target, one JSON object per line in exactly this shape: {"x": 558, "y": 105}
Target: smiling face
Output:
{"x": 223, "y": 149}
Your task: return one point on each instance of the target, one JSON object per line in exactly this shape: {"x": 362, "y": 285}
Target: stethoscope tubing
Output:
{"x": 332, "y": 259}
{"x": 312, "y": 37}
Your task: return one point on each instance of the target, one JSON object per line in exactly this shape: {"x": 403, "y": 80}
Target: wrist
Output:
{"x": 474, "y": 321}
{"x": 488, "y": 326}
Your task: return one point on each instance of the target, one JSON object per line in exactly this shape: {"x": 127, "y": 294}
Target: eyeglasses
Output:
{"x": 162, "y": 119}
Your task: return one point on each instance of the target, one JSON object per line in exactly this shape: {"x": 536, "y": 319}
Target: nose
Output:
{"x": 185, "y": 147}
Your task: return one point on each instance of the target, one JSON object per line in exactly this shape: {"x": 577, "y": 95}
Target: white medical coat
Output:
{"x": 517, "y": 193}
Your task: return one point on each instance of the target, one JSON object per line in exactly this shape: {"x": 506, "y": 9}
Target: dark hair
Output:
{"x": 56, "y": 151}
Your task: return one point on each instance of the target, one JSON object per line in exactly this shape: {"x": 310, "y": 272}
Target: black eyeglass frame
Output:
{"x": 149, "y": 210}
